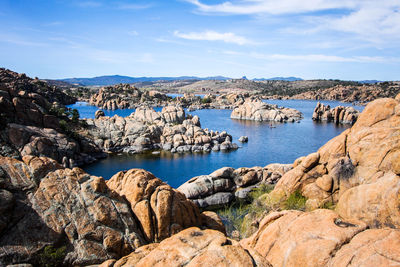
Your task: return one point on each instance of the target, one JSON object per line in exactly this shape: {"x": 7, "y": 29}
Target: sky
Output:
{"x": 311, "y": 39}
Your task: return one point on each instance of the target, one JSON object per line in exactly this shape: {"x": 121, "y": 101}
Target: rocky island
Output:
{"x": 257, "y": 110}
{"x": 338, "y": 114}
{"x": 146, "y": 129}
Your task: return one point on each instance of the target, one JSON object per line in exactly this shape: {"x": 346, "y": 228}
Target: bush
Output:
{"x": 206, "y": 100}
{"x": 52, "y": 257}
{"x": 240, "y": 215}
{"x": 75, "y": 115}
{"x": 296, "y": 201}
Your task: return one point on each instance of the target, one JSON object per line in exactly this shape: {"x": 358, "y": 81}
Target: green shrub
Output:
{"x": 52, "y": 257}
{"x": 296, "y": 201}
{"x": 75, "y": 115}
{"x": 206, "y": 100}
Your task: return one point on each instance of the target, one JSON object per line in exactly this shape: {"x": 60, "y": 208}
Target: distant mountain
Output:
{"x": 117, "y": 79}
{"x": 288, "y": 79}
{"x": 370, "y": 81}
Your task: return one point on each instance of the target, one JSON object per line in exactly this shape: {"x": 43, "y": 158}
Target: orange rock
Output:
{"x": 195, "y": 247}
{"x": 161, "y": 210}
{"x": 295, "y": 238}
{"x": 375, "y": 247}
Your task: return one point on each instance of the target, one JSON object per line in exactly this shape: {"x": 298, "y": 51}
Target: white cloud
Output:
{"x": 373, "y": 21}
{"x": 227, "y": 37}
{"x": 247, "y": 7}
{"x": 132, "y": 6}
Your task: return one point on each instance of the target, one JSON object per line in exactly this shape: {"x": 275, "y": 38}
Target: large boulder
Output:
{"x": 224, "y": 185}
{"x": 323, "y": 238}
{"x": 161, "y": 210}
{"x": 356, "y": 169}
{"x": 295, "y": 238}
{"x": 53, "y": 206}
{"x": 194, "y": 247}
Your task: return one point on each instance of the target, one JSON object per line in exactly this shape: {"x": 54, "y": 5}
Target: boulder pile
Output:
{"x": 146, "y": 129}
{"x": 257, "y": 110}
{"x": 340, "y": 114}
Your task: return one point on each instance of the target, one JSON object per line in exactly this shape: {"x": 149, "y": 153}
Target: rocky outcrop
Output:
{"x": 146, "y": 129}
{"x": 126, "y": 96}
{"x": 53, "y": 206}
{"x": 33, "y": 121}
{"x": 225, "y": 185}
{"x": 322, "y": 238}
{"x": 259, "y": 111}
{"x": 27, "y": 101}
{"x": 359, "y": 169}
{"x": 353, "y": 93}
{"x": 193, "y": 247}
{"x": 160, "y": 210}
{"x": 43, "y": 204}
{"x": 340, "y": 114}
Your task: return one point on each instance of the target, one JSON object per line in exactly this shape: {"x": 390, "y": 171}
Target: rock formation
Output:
{"x": 223, "y": 186}
{"x": 322, "y": 238}
{"x": 259, "y": 111}
{"x": 340, "y": 114}
{"x": 33, "y": 121}
{"x": 193, "y": 247}
{"x": 43, "y": 204}
{"x": 126, "y": 96}
{"x": 147, "y": 129}
{"x": 352, "y": 93}
{"x": 359, "y": 169}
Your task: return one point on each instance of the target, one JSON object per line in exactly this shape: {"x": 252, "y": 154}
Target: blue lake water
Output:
{"x": 282, "y": 144}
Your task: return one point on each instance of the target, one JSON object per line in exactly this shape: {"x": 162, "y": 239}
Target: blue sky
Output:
{"x": 332, "y": 39}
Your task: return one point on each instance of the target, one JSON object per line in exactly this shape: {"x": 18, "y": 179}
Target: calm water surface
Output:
{"x": 282, "y": 144}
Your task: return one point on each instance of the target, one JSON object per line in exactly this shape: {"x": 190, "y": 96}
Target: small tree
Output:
{"x": 75, "y": 115}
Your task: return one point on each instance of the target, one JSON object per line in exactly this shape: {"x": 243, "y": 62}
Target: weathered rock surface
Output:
{"x": 126, "y": 96}
{"x": 56, "y": 206}
{"x": 161, "y": 210}
{"x": 259, "y": 111}
{"x": 226, "y": 184}
{"x": 358, "y": 169}
{"x": 43, "y": 204}
{"x": 338, "y": 114}
{"x": 322, "y": 238}
{"x": 194, "y": 247}
{"x": 147, "y": 129}
{"x": 30, "y": 122}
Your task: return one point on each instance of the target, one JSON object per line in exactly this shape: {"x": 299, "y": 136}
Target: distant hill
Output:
{"x": 117, "y": 79}
{"x": 288, "y": 79}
